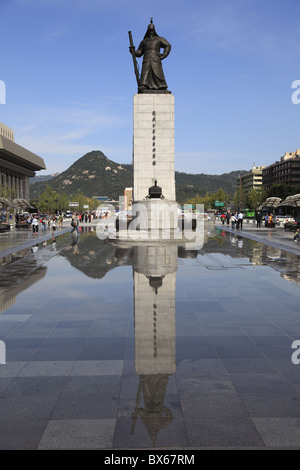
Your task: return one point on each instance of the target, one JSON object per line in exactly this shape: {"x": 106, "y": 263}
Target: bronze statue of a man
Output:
{"x": 152, "y": 76}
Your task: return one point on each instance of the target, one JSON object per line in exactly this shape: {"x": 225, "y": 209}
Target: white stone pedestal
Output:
{"x": 153, "y": 145}
{"x": 159, "y": 216}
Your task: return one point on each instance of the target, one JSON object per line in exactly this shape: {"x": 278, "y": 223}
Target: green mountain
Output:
{"x": 42, "y": 178}
{"x": 188, "y": 185}
{"x": 92, "y": 175}
{"x": 95, "y": 175}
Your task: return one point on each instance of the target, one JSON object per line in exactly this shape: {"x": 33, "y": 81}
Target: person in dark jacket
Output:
{"x": 75, "y": 224}
{"x": 258, "y": 219}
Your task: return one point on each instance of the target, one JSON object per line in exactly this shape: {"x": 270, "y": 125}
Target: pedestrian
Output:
{"x": 270, "y": 220}
{"x": 223, "y": 218}
{"x": 258, "y": 219}
{"x": 53, "y": 225}
{"x": 75, "y": 224}
{"x": 297, "y": 235}
{"x": 35, "y": 225}
{"x": 228, "y": 217}
{"x": 240, "y": 220}
{"x": 43, "y": 222}
{"x": 233, "y": 221}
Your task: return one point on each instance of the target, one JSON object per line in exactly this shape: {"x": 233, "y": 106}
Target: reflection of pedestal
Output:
{"x": 154, "y": 324}
{"x": 154, "y": 269}
{"x": 154, "y": 308}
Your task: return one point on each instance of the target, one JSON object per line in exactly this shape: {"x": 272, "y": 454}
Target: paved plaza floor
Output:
{"x": 155, "y": 347}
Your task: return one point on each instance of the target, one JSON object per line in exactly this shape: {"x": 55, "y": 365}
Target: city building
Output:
{"x": 285, "y": 171}
{"x": 17, "y": 165}
{"x": 251, "y": 180}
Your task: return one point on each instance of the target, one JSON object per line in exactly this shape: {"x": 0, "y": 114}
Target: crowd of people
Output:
{"x": 236, "y": 219}
{"x": 54, "y": 222}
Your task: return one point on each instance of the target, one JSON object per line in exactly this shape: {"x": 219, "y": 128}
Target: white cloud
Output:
{"x": 62, "y": 123}
{"x": 61, "y": 135}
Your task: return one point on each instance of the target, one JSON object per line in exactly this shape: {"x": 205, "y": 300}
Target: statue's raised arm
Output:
{"x": 152, "y": 79}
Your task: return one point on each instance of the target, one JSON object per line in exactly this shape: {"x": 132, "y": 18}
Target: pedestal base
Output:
{"x": 155, "y": 215}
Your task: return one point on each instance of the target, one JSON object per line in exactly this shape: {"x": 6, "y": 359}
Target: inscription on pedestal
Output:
{"x": 153, "y": 145}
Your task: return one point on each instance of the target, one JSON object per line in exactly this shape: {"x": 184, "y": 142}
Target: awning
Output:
{"x": 6, "y": 202}
{"x": 292, "y": 201}
{"x": 272, "y": 202}
{"x": 22, "y": 203}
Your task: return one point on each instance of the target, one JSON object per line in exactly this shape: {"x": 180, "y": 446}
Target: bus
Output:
{"x": 248, "y": 213}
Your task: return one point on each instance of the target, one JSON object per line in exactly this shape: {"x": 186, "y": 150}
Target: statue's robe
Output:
{"x": 152, "y": 75}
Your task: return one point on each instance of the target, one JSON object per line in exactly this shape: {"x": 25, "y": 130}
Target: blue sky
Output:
{"x": 70, "y": 83}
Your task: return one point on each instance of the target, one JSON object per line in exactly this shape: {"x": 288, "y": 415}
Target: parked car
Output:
{"x": 283, "y": 218}
{"x": 68, "y": 214}
{"x": 292, "y": 225}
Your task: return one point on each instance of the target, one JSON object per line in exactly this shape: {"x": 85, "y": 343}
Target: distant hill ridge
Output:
{"x": 96, "y": 175}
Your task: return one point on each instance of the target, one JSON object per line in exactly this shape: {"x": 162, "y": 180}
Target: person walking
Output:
{"x": 35, "y": 225}
{"x": 258, "y": 219}
{"x": 233, "y": 221}
{"x": 53, "y": 225}
{"x": 75, "y": 224}
{"x": 240, "y": 220}
{"x": 228, "y": 217}
{"x": 43, "y": 222}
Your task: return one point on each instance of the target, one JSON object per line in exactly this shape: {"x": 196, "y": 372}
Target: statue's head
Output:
{"x": 151, "y": 30}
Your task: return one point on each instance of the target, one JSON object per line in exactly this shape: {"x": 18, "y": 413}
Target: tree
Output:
{"x": 48, "y": 201}
{"x": 281, "y": 190}
{"x": 239, "y": 199}
{"x": 221, "y": 195}
{"x": 255, "y": 197}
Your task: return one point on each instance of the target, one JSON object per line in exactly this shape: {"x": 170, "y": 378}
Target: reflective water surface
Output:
{"x": 149, "y": 346}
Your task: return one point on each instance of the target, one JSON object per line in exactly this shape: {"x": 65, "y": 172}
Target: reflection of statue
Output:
{"x": 154, "y": 268}
{"x": 152, "y": 76}
{"x": 154, "y": 415}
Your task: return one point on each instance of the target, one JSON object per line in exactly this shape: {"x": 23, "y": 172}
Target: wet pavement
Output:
{"x": 150, "y": 347}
